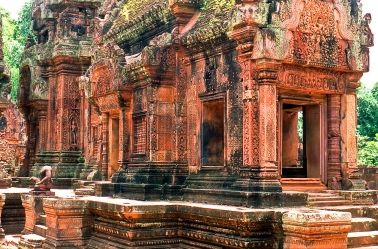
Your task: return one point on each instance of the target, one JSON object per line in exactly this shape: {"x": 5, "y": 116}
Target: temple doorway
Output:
{"x": 302, "y": 153}
{"x": 212, "y": 140}
{"x": 113, "y": 145}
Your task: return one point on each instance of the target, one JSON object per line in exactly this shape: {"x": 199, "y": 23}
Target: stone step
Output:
{"x": 325, "y": 198}
{"x": 84, "y": 191}
{"x": 356, "y": 211}
{"x": 356, "y": 239}
{"x": 42, "y": 219}
{"x": 328, "y": 203}
{"x": 362, "y": 224}
{"x": 302, "y": 184}
{"x": 364, "y": 247}
{"x": 10, "y": 241}
{"x": 40, "y": 230}
{"x": 31, "y": 241}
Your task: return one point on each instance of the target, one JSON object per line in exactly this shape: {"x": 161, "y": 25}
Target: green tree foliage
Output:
{"x": 368, "y": 151}
{"x": 368, "y": 111}
{"x": 367, "y": 128}
{"x": 15, "y": 34}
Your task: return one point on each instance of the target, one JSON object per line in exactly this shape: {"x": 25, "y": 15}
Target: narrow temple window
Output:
{"x": 140, "y": 134}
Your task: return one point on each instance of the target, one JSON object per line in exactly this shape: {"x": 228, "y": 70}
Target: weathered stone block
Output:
{"x": 316, "y": 229}
{"x": 33, "y": 209}
{"x": 68, "y": 223}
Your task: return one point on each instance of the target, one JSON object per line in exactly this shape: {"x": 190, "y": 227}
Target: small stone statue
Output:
{"x": 44, "y": 183}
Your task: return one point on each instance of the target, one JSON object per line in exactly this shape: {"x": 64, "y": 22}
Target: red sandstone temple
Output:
{"x": 247, "y": 103}
{"x": 192, "y": 99}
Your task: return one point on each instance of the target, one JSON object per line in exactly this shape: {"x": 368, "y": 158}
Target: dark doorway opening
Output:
{"x": 213, "y": 133}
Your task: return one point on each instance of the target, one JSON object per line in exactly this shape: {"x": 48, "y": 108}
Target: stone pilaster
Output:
{"x": 266, "y": 174}
{"x": 124, "y": 141}
{"x": 68, "y": 223}
{"x": 316, "y": 229}
{"x": 105, "y": 149}
{"x": 333, "y": 134}
{"x": 351, "y": 178}
{"x": 42, "y": 118}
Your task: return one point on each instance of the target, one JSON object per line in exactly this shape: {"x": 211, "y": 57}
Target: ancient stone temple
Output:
{"x": 164, "y": 109}
{"x": 194, "y": 99}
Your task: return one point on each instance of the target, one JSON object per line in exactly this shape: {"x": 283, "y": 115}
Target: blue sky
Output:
{"x": 371, "y": 6}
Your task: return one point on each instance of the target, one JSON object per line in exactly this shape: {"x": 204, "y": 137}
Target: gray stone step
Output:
{"x": 326, "y": 203}
{"x": 40, "y": 230}
{"x": 358, "y": 239}
{"x": 42, "y": 219}
{"x": 325, "y": 198}
{"x": 362, "y": 224}
{"x": 31, "y": 241}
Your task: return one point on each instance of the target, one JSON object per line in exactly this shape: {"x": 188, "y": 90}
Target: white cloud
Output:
{"x": 13, "y": 6}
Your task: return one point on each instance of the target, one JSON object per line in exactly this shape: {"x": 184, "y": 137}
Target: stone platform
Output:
{"x": 73, "y": 221}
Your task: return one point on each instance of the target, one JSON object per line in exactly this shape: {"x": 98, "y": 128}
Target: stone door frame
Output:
{"x": 320, "y": 101}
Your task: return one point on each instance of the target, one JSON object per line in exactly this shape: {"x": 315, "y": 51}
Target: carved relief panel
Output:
{"x": 102, "y": 81}
{"x": 311, "y": 79}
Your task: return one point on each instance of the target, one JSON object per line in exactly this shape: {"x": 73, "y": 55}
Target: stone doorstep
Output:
{"x": 361, "y": 224}
{"x": 363, "y": 238}
{"x": 42, "y": 219}
{"x": 40, "y": 230}
{"x": 302, "y": 184}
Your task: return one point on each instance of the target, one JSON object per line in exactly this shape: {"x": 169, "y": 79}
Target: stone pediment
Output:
{"x": 316, "y": 33}
{"x": 138, "y": 18}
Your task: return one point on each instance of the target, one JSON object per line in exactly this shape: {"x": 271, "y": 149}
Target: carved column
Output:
{"x": 124, "y": 143}
{"x": 259, "y": 171}
{"x": 42, "y": 119}
{"x": 267, "y": 172}
{"x": 333, "y": 132}
{"x": 105, "y": 149}
{"x": 351, "y": 177}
